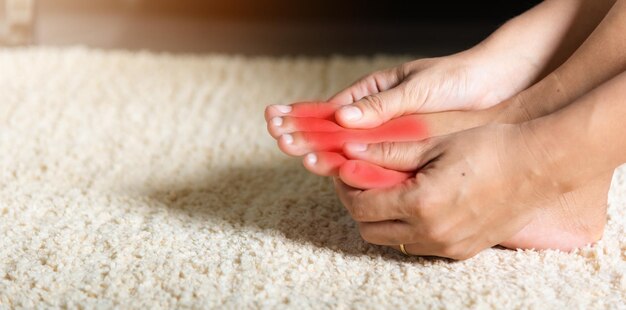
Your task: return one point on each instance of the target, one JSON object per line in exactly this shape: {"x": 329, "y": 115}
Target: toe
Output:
{"x": 272, "y": 111}
{"x": 279, "y": 125}
{"x": 300, "y": 143}
{"x": 294, "y": 144}
{"x": 324, "y": 163}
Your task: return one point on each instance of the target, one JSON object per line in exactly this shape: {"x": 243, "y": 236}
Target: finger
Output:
{"x": 390, "y": 233}
{"x": 324, "y": 163}
{"x": 378, "y": 204}
{"x": 345, "y": 193}
{"x": 280, "y": 125}
{"x": 400, "y": 156}
{"x": 315, "y": 109}
{"x": 364, "y": 175}
{"x": 376, "y": 109}
{"x": 371, "y": 84}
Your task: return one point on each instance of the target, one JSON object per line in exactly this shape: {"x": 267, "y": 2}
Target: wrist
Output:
{"x": 525, "y": 47}
{"x": 511, "y": 111}
{"x": 500, "y": 76}
{"x": 541, "y": 99}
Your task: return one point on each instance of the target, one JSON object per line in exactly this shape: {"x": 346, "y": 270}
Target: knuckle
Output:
{"x": 404, "y": 70}
{"x": 369, "y": 83}
{"x": 428, "y": 143}
{"x": 366, "y": 81}
{"x": 349, "y": 198}
{"x": 388, "y": 150}
{"x": 358, "y": 212}
{"x": 376, "y": 104}
{"x": 360, "y": 87}
{"x": 379, "y": 82}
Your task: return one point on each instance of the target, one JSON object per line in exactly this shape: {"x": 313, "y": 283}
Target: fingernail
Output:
{"x": 287, "y": 138}
{"x": 282, "y": 108}
{"x": 277, "y": 121}
{"x": 311, "y": 158}
{"x": 351, "y": 113}
{"x": 356, "y": 147}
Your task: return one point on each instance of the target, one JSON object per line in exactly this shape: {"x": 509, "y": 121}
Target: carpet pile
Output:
{"x": 144, "y": 180}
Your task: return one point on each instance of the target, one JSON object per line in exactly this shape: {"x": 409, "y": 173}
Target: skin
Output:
{"x": 507, "y": 62}
{"x": 552, "y": 53}
{"x": 478, "y": 187}
{"x": 517, "y": 109}
{"x": 597, "y": 60}
{"x": 298, "y": 136}
{"x": 563, "y": 222}
{"x": 311, "y": 134}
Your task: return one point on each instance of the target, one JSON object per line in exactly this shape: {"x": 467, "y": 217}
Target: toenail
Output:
{"x": 311, "y": 158}
{"x": 282, "y": 108}
{"x": 287, "y": 138}
{"x": 356, "y": 147}
{"x": 351, "y": 113}
{"x": 277, "y": 121}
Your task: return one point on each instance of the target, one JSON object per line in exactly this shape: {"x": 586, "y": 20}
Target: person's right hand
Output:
{"x": 421, "y": 86}
{"x": 457, "y": 82}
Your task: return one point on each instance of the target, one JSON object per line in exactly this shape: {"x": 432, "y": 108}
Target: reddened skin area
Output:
{"x": 278, "y": 125}
{"x": 299, "y": 143}
{"x": 314, "y": 109}
{"x": 309, "y": 128}
{"x": 356, "y": 173}
{"x": 324, "y": 163}
{"x": 364, "y": 175}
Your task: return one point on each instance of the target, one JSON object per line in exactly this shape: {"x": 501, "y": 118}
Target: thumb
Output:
{"x": 374, "y": 110}
{"x": 400, "y": 156}
{"x": 371, "y": 84}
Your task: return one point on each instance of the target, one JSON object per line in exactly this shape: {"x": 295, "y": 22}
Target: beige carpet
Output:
{"x": 148, "y": 181}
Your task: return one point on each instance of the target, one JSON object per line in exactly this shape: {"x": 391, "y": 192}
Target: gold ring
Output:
{"x": 403, "y": 250}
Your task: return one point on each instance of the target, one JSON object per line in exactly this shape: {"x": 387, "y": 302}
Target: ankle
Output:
{"x": 539, "y": 163}
{"x": 511, "y": 111}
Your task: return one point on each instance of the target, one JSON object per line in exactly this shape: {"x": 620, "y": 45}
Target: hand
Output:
{"x": 474, "y": 189}
{"x": 308, "y": 128}
{"x": 568, "y": 221}
{"x": 458, "y": 82}
{"x": 466, "y": 81}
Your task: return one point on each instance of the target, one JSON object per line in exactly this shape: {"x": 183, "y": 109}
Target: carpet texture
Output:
{"x": 144, "y": 180}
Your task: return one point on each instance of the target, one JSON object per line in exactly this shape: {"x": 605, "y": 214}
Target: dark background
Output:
{"x": 277, "y": 27}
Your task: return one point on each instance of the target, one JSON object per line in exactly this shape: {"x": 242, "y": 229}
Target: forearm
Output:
{"x": 583, "y": 140}
{"x": 597, "y": 60}
{"x": 536, "y": 42}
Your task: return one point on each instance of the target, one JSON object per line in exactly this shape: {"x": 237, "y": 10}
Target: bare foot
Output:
{"x": 572, "y": 220}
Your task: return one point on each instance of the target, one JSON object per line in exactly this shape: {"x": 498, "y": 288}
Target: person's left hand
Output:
{"x": 474, "y": 189}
